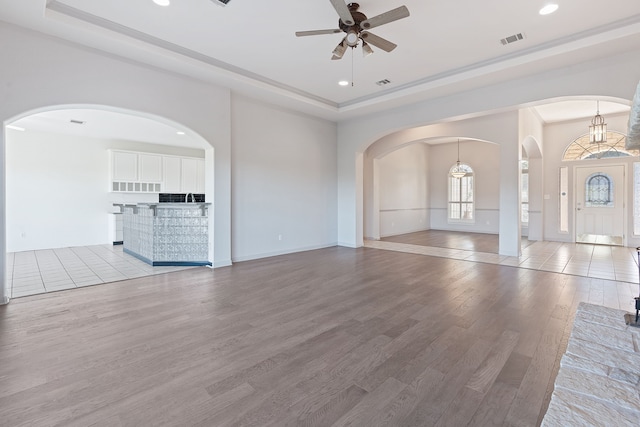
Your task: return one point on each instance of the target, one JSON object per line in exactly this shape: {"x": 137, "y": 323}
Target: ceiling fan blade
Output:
{"x": 385, "y": 18}
{"x": 317, "y": 32}
{"x": 343, "y": 12}
{"x": 378, "y": 41}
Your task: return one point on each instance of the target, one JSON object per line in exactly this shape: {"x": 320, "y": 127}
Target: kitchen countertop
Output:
{"x": 163, "y": 204}
{"x": 173, "y": 205}
{"x": 203, "y": 206}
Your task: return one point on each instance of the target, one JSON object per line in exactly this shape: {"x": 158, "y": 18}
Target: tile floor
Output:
{"x": 36, "y": 272}
{"x": 603, "y": 262}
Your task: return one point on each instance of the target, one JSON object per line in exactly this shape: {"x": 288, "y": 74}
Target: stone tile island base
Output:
{"x": 167, "y": 233}
{"x": 599, "y": 379}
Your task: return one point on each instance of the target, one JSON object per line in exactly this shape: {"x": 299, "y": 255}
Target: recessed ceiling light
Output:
{"x": 548, "y": 9}
{"x": 162, "y": 2}
{"x": 180, "y": 132}
{"x": 18, "y": 128}
{"x": 343, "y": 83}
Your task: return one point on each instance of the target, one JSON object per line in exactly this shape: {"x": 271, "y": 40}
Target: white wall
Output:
{"x": 56, "y": 192}
{"x": 484, "y": 159}
{"x": 284, "y": 181}
{"x": 557, "y": 136}
{"x": 404, "y": 190}
{"x": 57, "y": 189}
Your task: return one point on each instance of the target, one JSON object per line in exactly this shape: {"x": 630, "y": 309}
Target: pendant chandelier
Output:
{"x": 598, "y": 128}
{"x": 458, "y": 171}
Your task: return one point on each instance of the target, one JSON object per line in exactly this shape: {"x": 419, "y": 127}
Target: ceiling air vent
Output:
{"x": 221, "y": 2}
{"x": 512, "y": 39}
{"x": 383, "y": 82}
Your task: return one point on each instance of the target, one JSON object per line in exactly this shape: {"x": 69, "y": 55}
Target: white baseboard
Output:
{"x": 283, "y": 252}
{"x": 223, "y": 263}
{"x": 413, "y": 230}
{"x": 348, "y": 245}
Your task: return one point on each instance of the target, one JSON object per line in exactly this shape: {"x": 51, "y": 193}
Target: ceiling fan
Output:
{"x": 356, "y": 25}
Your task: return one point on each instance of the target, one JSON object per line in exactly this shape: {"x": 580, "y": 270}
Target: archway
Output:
{"x": 57, "y": 195}
{"x": 500, "y": 129}
{"x": 61, "y": 74}
{"x": 521, "y": 128}
{"x": 407, "y": 188}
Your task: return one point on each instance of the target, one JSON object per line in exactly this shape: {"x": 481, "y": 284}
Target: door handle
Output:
{"x": 578, "y": 209}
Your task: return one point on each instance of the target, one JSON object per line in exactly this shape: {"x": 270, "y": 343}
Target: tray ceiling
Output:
{"x": 250, "y": 46}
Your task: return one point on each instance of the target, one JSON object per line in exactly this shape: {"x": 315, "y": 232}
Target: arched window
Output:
{"x": 582, "y": 149}
{"x": 461, "y": 195}
{"x": 599, "y": 191}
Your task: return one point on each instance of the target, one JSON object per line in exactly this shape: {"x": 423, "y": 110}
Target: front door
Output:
{"x": 600, "y": 205}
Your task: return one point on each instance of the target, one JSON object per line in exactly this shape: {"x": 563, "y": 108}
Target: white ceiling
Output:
{"x": 562, "y": 111}
{"x": 250, "y": 46}
{"x": 112, "y": 125}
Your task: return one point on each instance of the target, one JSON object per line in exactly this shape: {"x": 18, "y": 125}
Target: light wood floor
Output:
{"x": 332, "y": 337}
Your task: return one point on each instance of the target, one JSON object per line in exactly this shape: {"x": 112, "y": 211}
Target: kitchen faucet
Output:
{"x": 186, "y": 198}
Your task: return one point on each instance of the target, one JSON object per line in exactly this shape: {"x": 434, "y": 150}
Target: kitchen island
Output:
{"x": 167, "y": 233}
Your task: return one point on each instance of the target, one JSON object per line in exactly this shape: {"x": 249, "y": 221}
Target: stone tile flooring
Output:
{"x": 36, "y": 272}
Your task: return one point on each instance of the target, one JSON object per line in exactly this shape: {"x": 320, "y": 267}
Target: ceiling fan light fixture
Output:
{"x": 162, "y": 2}
{"x": 339, "y": 51}
{"x": 354, "y": 24}
{"x": 352, "y": 38}
{"x": 366, "y": 49}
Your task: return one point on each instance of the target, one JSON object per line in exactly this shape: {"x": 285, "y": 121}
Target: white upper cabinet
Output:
{"x": 189, "y": 175}
{"x": 199, "y": 176}
{"x": 150, "y": 166}
{"x": 172, "y": 174}
{"x": 124, "y": 166}
{"x": 154, "y": 173}
{"x": 192, "y": 176}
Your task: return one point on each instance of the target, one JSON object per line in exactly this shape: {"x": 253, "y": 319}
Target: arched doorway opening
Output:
{"x": 499, "y": 129}
{"x": 57, "y": 172}
{"x": 410, "y": 188}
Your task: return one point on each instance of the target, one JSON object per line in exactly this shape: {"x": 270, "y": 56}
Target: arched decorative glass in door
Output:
{"x": 599, "y": 191}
